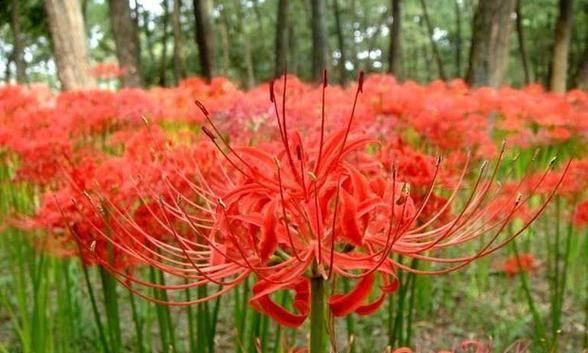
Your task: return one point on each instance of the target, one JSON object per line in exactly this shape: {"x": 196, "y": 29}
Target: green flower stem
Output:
{"x": 318, "y": 317}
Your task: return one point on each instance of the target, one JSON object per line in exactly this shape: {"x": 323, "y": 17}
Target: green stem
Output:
{"x": 539, "y": 328}
{"x": 318, "y": 319}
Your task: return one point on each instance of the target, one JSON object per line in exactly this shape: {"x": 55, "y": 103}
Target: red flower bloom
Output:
{"x": 525, "y": 262}
{"x": 300, "y": 208}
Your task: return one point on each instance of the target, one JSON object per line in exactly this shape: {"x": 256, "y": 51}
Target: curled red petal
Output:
{"x": 370, "y": 308}
{"x": 267, "y": 306}
{"x": 387, "y": 288}
{"x": 343, "y": 304}
{"x": 359, "y": 183}
{"x": 348, "y": 220}
{"x": 269, "y": 238}
{"x": 278, "y": 313}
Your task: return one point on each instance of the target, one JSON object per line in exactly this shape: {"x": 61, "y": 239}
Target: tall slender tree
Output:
{"x": 281, "y": 37}
{"x": 249, "y": 73}
{"x": 164, "y": 38}
{"x": 179, "y": 63}
{"x": 18, "y": 47}
{"x": 563, "y": 30}
{"x": 458, "y": 38}
{"x": 204, "y": 38}
{"x": 522, "y": 45}
{"x": 490, "y": 44}
{"x": 341, "y": 42}
{"x": 395, "y": 28}
{"x": 70, "y": 49}
{"x": 126, "y": 39}
{"x": 582, "y": 76}
{"x": 320, "y": 55}
{"x": 434, "y": 47}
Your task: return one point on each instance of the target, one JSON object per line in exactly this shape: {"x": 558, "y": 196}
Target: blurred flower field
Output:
{"x": 293, "y": 216}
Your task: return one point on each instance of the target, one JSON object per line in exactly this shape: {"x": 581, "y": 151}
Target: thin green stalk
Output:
{"x": 97, "y": 318}
{"x": 411, "y": 310}
{"x": 202, "y": 320}
{"x": 161, "y": 312}
{"x": 138, "y": 323}
{"x": 555, "y": 319}
{"x": 112, "y": 310}
{"x": 243, "y": 316}
{"x": 539, "y": 328}
{"x": 190, "y": 319}
{"x": 214, "y": 321}
{"x": 253, "y": 332}
{"x": 586, "y": 299}
{"x": 318, "y": 317}
{"x": 391, "y": 319}
{"x": 564, "y": 271}
{"x": 350, "y": 323}
{"x": 278, "y": 339}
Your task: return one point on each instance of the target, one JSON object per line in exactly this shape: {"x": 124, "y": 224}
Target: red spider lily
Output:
{"x": 289, "y": 212}
{"x": 581, "y": 214}
{"x": 514, "y": 265}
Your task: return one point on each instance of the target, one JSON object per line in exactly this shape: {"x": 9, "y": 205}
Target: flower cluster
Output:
{"x": 344, "y": 183}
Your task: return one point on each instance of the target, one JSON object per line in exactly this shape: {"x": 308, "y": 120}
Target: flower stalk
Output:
{"x": 318, "y": 315}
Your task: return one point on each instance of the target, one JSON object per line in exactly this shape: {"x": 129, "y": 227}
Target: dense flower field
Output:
{"x": 292, "y": 205}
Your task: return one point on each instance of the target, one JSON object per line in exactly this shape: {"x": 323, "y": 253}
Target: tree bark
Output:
{"x": 248, "y": 59}
{"x": 69, "y": 44}
{"x": 458, "y": 39}
{"x": 521, "y": 40}
{"x": 204, "y": 38}
{"x": 394, "y": 49}
{"x": 490, "y": 45}
{"x": 436, "y": 53}
{"x": 341, "y": 41}
{"x": 164, "y": 37}
{"x": 320, "y": 57}
{"x": 126, "y": 40}
{"x": 179, "y": 63}
{"x": 563, "y": 30}
{"x": 582, "y": 77}
{"x": 281, "y": 37}
{"x": 224, "y": 40}
{"x": 18, "y": 46}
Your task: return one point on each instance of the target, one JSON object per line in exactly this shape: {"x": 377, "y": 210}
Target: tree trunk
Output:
{"x": 18, "y": 50}
{"x": 179, "y": 63}
{"x": 164, "y": 37}
{"x": 458, "y": 39}
{"x": 204, "y": 38}
{"x": 148, "y": 33}
{"x": 281, "y": 37}
{"x": 127, "y": 42}
{"x": 582, "y": 77}
{"x": 521, "y": 40}
{"x": 293, "y": 59}
{"x": 394, "y": 50}
{"x": 436, "y": 53}
{"x": 224, "y": 40}
{"x": 320, "y": 57}
{"x": 563, "y": 29}
{"x": 248, "y": 59}
{"x": 490, "y": 46}
{"x": 69, "y": 44}
{"x": 341, "y": 41}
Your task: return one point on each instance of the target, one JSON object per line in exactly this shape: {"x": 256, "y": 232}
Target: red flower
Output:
{"x": 524, "y": 263}
{"x": 304, "y": 206}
